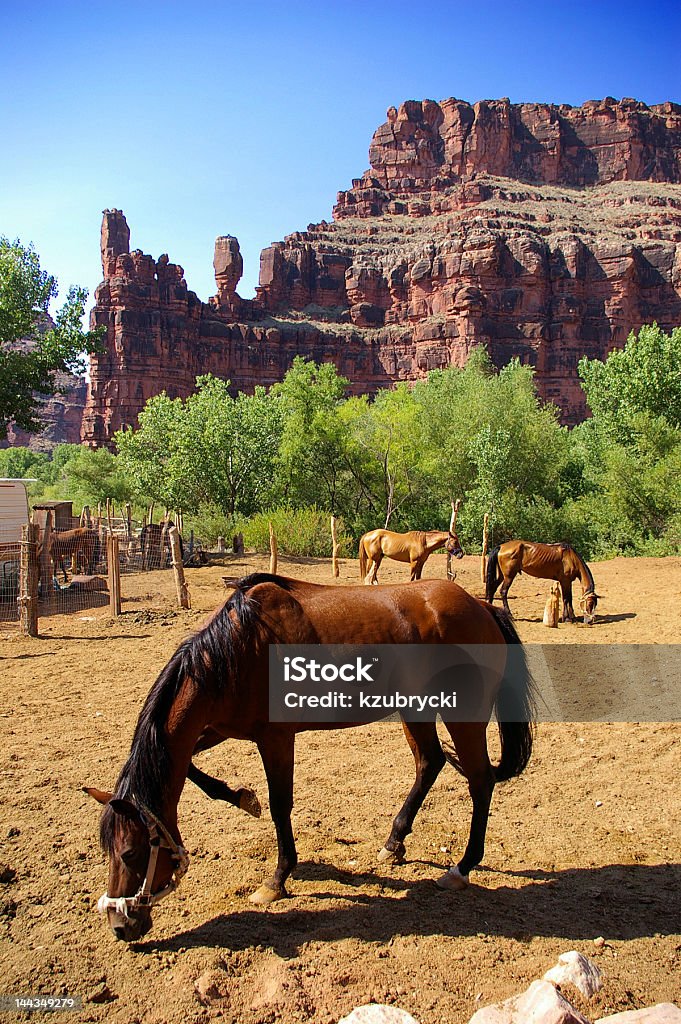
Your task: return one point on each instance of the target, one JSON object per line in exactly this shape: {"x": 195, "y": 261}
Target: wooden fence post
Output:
{"x": 334, "y": 551}
{"x": 452, "y": 529}
{"x": 114, "y": 567}
{"x": 273, "y": 552}
{"x": 178, "y": 568}
{"x": 221, "y": 545}
{"x": 29, "y": 575}
{"x": 483, "y": 560}
{"x": 46, "y": 572}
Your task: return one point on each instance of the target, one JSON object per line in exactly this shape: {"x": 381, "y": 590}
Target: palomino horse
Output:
{"x": 414, "y": 547}
{"x": 215, "y": 687}
{"x": 80, "y": 543}
{"x": 548, "y": 562}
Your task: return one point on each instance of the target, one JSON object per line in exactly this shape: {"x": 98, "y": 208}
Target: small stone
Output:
{"x": 599, "y": 942}
{"x": 378, "y": 1013}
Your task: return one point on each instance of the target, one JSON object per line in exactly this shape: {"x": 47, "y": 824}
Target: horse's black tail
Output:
{"x": 491, "y": 577}
{"x": 515, "y": 705}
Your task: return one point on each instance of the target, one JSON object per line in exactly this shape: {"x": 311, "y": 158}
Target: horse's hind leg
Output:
{"x": 470, "y": 742}
{"x": 503, "y": 593}
{"x": 276, "y": 750}
{"x": 425, "y": 746}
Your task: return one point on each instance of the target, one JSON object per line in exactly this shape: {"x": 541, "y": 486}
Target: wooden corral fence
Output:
{"x": 66, "y": 564}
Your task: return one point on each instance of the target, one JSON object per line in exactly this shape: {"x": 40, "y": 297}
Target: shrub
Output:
{"x": 303, "y": 532}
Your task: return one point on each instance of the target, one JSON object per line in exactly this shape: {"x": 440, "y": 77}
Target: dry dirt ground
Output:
{"x": 586, "y": 843}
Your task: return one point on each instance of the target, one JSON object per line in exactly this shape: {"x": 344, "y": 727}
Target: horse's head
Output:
{"x": 589, "y": 602}
{"x": 452, "y": 546}
{"x": 145, "y": 864}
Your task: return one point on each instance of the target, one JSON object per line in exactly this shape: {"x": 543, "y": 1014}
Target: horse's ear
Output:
{"x": 97, "y": 794}
{"x": 125, "y": 809}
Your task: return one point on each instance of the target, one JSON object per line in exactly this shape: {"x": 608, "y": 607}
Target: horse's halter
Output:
{"x": 587, "y": 594}
{"x": 159, "y": 837}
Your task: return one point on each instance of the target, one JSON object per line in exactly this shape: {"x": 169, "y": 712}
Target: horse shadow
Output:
{"x": 620, "y": 901}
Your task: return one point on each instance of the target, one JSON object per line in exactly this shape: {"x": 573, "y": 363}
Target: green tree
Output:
{"x": 31, "y": 351}
{"x": 210, "y": 450}
{"x": 313, "y": 459}
{"x": 226, "y": 447}
{"x": 148, "y": 454}
{"x": 643, "y": 377}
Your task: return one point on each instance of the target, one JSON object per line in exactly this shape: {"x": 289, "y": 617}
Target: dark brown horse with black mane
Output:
{"x": 414, "y": 547}
{"x": 216, "y": 687}
{"x": 548, "y": 562}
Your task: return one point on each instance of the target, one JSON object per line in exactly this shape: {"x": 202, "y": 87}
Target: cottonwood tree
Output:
{"x": 33, "y": 348}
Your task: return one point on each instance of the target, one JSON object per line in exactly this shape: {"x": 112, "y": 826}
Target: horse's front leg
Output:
{"x": 243, "y": 798}
{"x": 416, "y": 569}
{"x": 276, "y": 750}
{"x": 425, "y": 746}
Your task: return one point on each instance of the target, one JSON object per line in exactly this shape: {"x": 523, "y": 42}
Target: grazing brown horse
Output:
{"x": 216, "y": 687}
{"x": 414, "y": 547}
{"x": 79, "y": 544}
{"x": 548, "y": 562}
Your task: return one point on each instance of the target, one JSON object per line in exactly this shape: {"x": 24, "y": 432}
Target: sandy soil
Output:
{"x": 586, "y": 843}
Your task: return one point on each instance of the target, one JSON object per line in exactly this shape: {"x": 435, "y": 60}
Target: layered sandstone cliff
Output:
{"x": 543, "y": 232}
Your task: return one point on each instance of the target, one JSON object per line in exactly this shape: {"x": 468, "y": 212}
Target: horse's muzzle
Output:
{"x": 132, "y": 930}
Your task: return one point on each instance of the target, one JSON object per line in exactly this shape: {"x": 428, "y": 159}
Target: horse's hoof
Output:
{"x": 452, "y": 880}
{"x": 267, "y": 894}
{"x": 395, "y": 856}
{"x": 249, "y": 803}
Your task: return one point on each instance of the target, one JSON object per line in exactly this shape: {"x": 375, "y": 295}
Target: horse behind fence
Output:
{"x": 81, "y": 546}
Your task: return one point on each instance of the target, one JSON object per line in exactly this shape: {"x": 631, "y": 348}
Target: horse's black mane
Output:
{"x": 210, "y": 658}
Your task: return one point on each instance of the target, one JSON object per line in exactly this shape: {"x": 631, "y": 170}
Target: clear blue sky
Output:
{"x": 199, "y": 119}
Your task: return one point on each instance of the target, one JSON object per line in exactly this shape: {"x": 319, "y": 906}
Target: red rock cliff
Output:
{"x": 543, "y": 232}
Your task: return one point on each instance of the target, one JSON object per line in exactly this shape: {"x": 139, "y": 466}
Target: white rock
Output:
{"x": 376, "y": 1013}
{"x": 663, "y": 1013}
{"x": 542, "y": 1003}
{"x": 574, "y": 969}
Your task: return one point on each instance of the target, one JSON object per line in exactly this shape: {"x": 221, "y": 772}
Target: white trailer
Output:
{"x": 13, "y": 511}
